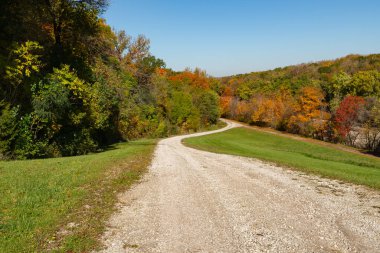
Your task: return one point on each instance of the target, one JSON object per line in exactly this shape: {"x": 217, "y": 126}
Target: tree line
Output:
{"x": 335, "y": 101}
{"x": 70, "y": 85}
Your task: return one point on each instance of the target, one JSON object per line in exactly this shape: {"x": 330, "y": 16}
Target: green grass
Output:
{"x": 304, "y": 156}
{"x": 61, "y": 204}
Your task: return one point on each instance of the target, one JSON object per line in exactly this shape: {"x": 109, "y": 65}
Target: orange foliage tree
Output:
{"x": 271, "y": 110}
{"x": 226, "y": 102}
{"x": 243, "y": 111}
{"x": 309, "y": 118}
{"x": 197, "y": 78}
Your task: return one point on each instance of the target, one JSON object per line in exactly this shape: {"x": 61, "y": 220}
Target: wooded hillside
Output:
{"x": 335, "y": 100}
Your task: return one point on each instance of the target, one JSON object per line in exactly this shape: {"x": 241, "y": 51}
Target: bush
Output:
{"x": 76, "y": 143}
{"x": 27, "y": 144}
{"x": 8, "y": 129}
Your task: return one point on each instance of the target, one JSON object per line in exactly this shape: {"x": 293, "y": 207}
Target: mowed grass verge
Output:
{"x": 304, "y": 156}
{"x": 61, "y": 205}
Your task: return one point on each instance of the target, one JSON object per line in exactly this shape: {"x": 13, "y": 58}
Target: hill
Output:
{"x": 335, "y": 100}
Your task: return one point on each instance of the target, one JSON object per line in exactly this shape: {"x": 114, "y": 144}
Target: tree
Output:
{"x": 340, "y": 85}
{"x": 272, "y": 110}
{"x": 146, "y": 67}
{"x": 346, "y": 117}
{"x": 138, "y": 49}
{"x": 243, "y": 111}
{"x": 197, "y": 79}
{"x": 309, "y": 116}
{"x": 180, "y": 107}
{"x": 61, "y": 113}
{"x": 71, "y": 24}
{"x": 24, "y": 61}
{"x": 369, "y": 118}
{"x": 208, "y": 105}
{"x": 245, "y": 91}
{"x": 226, "y": 102}
{"x": 365, "y": 83}
{"x": 122, "y": 43}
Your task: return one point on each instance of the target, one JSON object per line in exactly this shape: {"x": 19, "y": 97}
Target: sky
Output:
{"x": 226, "y": 37}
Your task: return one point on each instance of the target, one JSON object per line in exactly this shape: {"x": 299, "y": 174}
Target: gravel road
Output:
{"x": 195, "y": 201}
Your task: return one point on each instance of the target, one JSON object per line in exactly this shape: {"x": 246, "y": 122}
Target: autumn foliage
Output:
{"x": 347, "y": 114}
{"x": 197, "y": 78}
{"x": 336, "y": 100}
{"x": 301, "y": 114}
{"x": 308, "y": 118}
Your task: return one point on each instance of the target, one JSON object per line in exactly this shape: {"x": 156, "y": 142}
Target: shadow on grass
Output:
{"x": 376, "y": 154}
{"x": 116, "y": 146}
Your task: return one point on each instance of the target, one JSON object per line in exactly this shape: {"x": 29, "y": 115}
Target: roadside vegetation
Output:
{"x": 301, "y": 155}
{"x": 71, "y": 85}
{"x": 61, "y": 204}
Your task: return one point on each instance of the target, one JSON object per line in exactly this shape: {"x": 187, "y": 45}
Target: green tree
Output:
{"x": 340, "y": 86}
{"x": 61, "y": 106}
{"x": 180, "y": 107}
{"x": 365, "y": 83}
{"x": 208, "y": 106}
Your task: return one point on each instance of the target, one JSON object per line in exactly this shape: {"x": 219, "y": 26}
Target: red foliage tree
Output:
{"x": 347, "y": 114}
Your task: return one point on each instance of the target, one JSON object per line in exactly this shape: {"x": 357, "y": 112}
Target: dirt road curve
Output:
{"x": 195, "y": 201}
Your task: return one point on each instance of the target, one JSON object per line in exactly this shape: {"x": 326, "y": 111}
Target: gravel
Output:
{"x": 196, "y": 201}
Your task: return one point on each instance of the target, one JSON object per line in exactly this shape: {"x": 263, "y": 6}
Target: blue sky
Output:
{"x": 227, "y": 37}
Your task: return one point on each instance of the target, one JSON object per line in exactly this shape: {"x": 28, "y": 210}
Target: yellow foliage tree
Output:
{"x": 309, "y": 118}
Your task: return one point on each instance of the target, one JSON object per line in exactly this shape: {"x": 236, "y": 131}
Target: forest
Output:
{"x": 70, "y": 84}
{"x": 336, "y": 101}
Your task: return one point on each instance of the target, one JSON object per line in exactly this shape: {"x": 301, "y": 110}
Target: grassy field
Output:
{"x": 61, "y": 204}
{"x": 304, "y": 156}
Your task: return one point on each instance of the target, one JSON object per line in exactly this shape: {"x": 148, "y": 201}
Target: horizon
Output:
{"x": 257, "y": 36}
{"x": 298, "y": 64}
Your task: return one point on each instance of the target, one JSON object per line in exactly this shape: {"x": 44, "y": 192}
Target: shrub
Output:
{"x": 8, "y": 129}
